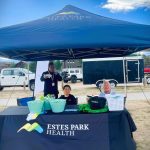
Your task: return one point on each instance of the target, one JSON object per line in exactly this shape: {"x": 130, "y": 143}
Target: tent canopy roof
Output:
{"x": 73, "y": 33}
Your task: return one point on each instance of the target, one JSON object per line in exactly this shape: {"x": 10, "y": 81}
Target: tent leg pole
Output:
{"x": 28, "y": 77}
{"x": 124, "y": 74}
{"x": 34, "y": 83}
{"x": 28, "y": 73}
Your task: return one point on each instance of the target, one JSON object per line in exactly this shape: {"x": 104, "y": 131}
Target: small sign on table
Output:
{"x": 115, "y": 102}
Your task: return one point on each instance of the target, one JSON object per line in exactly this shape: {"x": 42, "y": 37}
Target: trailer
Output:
{"x": 116, "y": 70}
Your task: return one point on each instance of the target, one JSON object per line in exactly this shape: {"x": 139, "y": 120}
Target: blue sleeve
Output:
{"x": 42, "y": 77}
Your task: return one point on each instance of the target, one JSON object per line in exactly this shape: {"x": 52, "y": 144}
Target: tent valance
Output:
{"x": 73, "y": 33}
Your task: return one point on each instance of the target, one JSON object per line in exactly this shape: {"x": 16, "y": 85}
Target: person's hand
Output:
{"x": 46, "y": 76}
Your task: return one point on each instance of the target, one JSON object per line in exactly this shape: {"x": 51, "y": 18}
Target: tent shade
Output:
{"x": 73, "y": 33}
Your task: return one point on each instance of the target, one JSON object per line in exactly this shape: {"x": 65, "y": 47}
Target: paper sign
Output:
{"x": 115, "y": 102}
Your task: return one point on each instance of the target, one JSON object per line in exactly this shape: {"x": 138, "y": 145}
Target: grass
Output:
{"x": 140, "y": 112}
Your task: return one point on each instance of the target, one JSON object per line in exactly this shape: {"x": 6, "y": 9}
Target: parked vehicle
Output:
{"x": 73, "y": 74}
{"x": 147, "y": 70}
{"x": 147, "y": 74}
{"x": 10, "y": 77}
{"x": 95, "y": 70}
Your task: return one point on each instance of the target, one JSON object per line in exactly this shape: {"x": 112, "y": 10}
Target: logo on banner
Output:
{"x": 66, "y": 129}
{"x": 56, "y": 129}
{"x": 69, "y": 13}
{"x": 31, "y": 127}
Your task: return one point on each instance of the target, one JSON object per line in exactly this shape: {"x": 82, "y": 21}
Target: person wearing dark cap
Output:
{"x": 51, "y": 79}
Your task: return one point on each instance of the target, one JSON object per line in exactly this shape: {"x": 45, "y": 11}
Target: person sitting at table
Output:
{"x": 107, "y": 87}
{"x": 70, "y": 99}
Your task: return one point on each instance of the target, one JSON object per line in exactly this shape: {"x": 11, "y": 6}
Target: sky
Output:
{"x": 20, "y": 11}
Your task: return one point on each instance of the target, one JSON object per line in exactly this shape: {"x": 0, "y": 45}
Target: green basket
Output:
{"x": 58, "y": 105}
{"x": 35, "y": 106}
{"x": 47, "y": 105}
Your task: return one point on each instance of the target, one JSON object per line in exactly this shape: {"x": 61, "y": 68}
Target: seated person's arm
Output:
{"x": 74, "y": 100}
{"x": 61, "y": 97}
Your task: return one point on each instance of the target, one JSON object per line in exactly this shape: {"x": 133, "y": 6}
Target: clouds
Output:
{"x": 125, "y": 5}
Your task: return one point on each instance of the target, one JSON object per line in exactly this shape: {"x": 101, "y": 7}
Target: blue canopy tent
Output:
{"x": 73, "y": 33}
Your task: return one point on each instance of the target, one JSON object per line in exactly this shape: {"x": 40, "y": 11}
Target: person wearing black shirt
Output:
{"x": 70, "y": 99}
{"x": 51, "y": 79}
